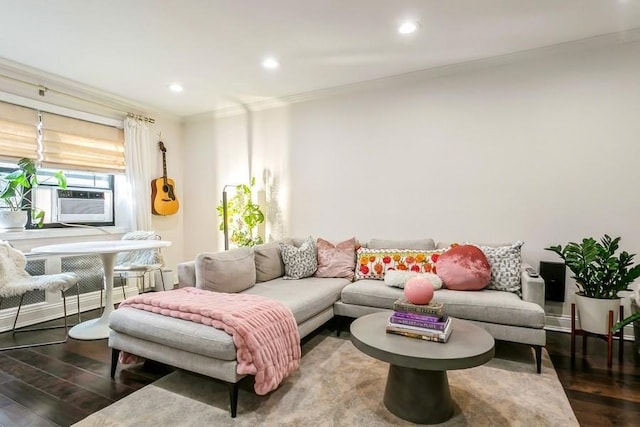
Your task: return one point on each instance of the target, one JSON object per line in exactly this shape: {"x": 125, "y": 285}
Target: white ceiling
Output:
{"x": 135, "y": 48}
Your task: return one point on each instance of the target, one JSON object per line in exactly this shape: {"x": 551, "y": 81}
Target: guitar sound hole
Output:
{"x": 165, "y": 188}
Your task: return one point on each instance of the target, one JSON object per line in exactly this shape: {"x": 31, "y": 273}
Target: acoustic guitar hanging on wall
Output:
{"x": 163, "y": 194}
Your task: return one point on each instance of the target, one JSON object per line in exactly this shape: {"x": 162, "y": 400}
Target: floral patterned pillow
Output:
{"x": 374, "y": 263}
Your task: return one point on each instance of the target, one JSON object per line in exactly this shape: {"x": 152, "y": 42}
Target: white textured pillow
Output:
{"x": 505, "y": 262}
{"x": 299, "y": 262}
{"x": 398, "y": 278}
{"x": 143, "y": 257}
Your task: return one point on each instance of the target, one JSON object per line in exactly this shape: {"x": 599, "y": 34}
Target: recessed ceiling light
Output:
{"x": 408, "y": 27}
{"x": 270, "y": 63}
{"x": 176, "y": 87}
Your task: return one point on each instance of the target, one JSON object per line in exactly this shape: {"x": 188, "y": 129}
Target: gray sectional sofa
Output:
{"x": 208, "y": 351}
{"x": 313, "y": 301}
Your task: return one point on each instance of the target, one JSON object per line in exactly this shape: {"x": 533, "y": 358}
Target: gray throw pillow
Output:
{"x": 299, "y": 262}
{"x": 416, "y": 244}
{"x": 231, "y": 271}
{"x": 269, "y": 264}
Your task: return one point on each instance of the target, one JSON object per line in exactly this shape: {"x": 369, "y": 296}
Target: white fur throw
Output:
{"x": 14, "y": 280}
{"x": 398, "y": 278}
{"x": 139, "y": 258}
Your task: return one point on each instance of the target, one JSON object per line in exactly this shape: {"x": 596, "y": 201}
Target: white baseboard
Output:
{"x": 563, "y": 324}
{"x": 42, "y": 312}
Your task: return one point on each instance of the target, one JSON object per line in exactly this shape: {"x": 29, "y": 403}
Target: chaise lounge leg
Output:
{"x": 538, "y": 349}
{"x": 114, "y": 361}
{"x": 233, "y": 398}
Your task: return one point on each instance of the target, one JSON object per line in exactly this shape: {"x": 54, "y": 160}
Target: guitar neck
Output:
{"x": 164, "y": 167}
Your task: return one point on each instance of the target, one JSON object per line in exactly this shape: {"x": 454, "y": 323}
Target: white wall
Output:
{"x": 227, "y": 151}
{"x": 541, "y": 149}
{"x": 199, "y": 193}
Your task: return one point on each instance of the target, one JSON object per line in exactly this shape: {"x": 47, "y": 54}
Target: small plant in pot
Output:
{"x": 599, "y": 274}
{"x": 17, "y": 187}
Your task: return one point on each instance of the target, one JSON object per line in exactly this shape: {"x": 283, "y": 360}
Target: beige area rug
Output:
{"x": 337, "y": 385}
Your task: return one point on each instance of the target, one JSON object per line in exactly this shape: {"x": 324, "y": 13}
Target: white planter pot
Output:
{"x": 593, "y": 313}
{"x": 12, "y": 220}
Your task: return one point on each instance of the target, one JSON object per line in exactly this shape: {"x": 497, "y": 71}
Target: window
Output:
{"x": 88, "y": 199}
{"x": 89, "y": 154}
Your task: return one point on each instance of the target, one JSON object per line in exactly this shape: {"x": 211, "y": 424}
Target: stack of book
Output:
{"x": 427, "y": 322}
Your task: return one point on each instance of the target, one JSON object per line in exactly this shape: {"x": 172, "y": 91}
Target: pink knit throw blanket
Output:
{"x": 264, "y": 331}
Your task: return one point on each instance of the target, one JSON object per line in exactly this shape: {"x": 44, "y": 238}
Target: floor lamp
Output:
{"x": 225, "y": 216}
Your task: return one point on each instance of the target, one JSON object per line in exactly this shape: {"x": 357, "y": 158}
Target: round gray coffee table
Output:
{"x": 417, "y": 386}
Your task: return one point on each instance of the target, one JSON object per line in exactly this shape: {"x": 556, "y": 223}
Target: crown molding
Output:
{"x": 76, "y": 94}
{"x": 596, "y": 42}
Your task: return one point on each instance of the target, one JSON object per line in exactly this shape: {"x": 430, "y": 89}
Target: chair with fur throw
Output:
{"x": 15, "y": 281}
{"x": 137, "y": 264}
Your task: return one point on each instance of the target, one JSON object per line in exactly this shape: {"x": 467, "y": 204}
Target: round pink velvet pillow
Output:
{"x": 464, "y": 268}
{"x": 418, "y": 290}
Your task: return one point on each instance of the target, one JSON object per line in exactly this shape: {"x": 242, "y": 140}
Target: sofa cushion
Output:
{"x": 505, "y": 264}
{"x": 373, "y": 263}
{"x": 269, "y": 264}
{"x": 299, "y": 262}
{"x": 230, "y": 271}
{"x": 445, "y": 245}
{"x": 464, "y": 268}
{"x": 336, "y": 260}
{"x": 489, "y": 306}
{"x": 419, "y": 244}
{"x": 305, "y": 297}
{"x": 183, "y": 334}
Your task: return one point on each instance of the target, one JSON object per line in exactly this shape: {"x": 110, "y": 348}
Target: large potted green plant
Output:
{"x": 243, "y": 216}
{"x": 599, "y": 274}
{"x": 16, "y": 195}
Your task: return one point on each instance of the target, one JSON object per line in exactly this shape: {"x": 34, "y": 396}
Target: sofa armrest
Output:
{"x": 532, "y": 287}
{"x": 187, "y": 274}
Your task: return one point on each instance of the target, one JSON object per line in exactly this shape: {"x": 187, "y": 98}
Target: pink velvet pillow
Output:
{"x": 464, "y": 268}
{"x": 336, "y": 260}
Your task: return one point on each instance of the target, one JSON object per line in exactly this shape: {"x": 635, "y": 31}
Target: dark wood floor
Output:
{"x": 598, "y": 396}
{"x": 63, "y": 383}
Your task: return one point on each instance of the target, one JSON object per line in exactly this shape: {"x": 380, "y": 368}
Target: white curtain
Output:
{"x": 137, "y": 152}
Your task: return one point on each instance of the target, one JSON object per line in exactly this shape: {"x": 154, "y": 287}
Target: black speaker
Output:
{"x": 553, "y": 274}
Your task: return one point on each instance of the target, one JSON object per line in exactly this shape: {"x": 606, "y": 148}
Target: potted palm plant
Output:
{"x": 15, "y": 195}
{"x": 599, "y": 274}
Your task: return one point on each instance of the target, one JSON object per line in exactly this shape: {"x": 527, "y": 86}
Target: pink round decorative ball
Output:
{"x": 418, "y": 290}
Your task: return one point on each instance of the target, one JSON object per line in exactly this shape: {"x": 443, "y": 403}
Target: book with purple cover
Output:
{"x": 412, "y": 321}
{"x": 419, "y": 316}
{"x": 424, "y": 334}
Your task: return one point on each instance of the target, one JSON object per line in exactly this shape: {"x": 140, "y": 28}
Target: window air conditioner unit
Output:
{"x": 82, "y": 205}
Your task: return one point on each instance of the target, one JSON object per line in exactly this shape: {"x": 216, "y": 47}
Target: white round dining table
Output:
{"x": 107, "y": 249}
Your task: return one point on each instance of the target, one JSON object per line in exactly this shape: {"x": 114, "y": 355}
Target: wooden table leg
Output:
{"x": 621, "y": 337}
{"x": 610, "y": 341}
{"x": 573, "y": 332}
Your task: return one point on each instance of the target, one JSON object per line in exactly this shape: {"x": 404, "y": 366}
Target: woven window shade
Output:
{"x": 18, "y": 132}
{"x": 76, "y": 144}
